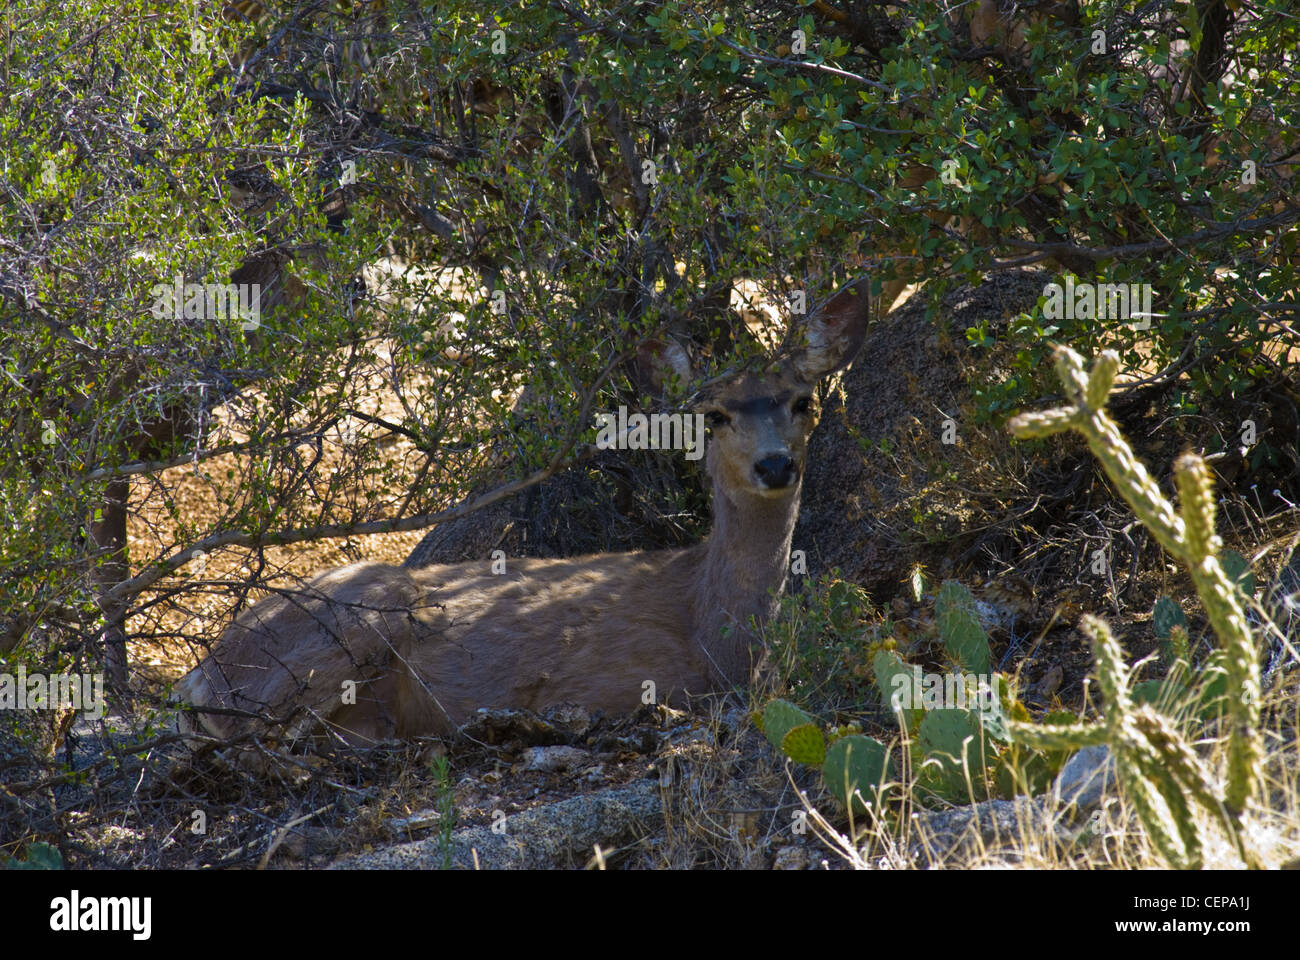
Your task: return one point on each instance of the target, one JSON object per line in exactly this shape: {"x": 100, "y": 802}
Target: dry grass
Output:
{"x": 1050, "y": 838}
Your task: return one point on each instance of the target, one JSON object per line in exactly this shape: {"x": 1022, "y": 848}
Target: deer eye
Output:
{"x": 716, "y": 418}
{"x": 802, "y": 405}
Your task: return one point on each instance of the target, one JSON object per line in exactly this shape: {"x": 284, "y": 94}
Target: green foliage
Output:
{"x": 793, "y": 732}
{"x": 1025, "y": 770}
{"x": 1186, "y": 692}
{"x": 440, "y": 766}
{"x": 144, "y": 142}
{"x": 958, "y": 753}
{"x": 819, "y": 641}
{"x": 950, "y": 732}
{"x": 1237, "y": 569}
{"x": 1170, "y": 626}
{"x": 894, "y": 676}
{"x": 845, "y": 605}
{"x": 780, "y": 717}
{"x": 805, "y": 744}
{"x": 954, "y": 747}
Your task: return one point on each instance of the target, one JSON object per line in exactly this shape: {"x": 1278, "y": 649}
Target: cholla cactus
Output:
{"x": 1150, "y": 756}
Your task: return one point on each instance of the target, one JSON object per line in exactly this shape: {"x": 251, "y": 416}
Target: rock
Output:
{"x": 561, "y": 724}
{"x": 553, "y": 759}
{"x": 962, "y": 832}
{"x": 404, "y": 827}
{"x": 572, "y": 718}
{"x": 1085, "y": 778}
{"x": 791, "y": 858}
{"x": 556, "y": 836}
{"x": 947, "y": 837}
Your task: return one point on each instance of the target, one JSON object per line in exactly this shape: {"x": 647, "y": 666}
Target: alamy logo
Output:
{"x": 659, "y": 431}
{"x": 914, "y": 690}
{"x": 208, "y": 301}
{"x": 38, "y": 691}
{"x": 1099, "y": 301}
{"x": 76, "y": 913}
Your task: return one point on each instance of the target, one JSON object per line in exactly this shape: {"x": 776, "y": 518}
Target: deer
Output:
{"x": 371, "y": 652}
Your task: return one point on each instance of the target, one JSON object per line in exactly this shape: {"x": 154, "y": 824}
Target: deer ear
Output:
{"x": 659, "y": 361}
{"x": 835, "y": 332}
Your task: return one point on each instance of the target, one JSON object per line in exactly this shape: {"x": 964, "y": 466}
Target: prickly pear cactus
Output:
{"x": 845, "y": 604}
{"x": 1021, "y": 770}
{"x": 855, "y": 767}
{"x": 1185, "y": 692}
{"x": 959, "y": 626}
{"x": 794, "y": 732}
{"x": 952, "y": 743}
{"x": 40, "y": 856}
{"x": 1237, "y": 569}
{"x": 947, "y": 732}
{"x": 1170, "y": 626}
{"x": 805, "y": 744}
{"x": 894, "y": 676}
{"x": 999, "y": 703}
{"x": 1166, "y": 615}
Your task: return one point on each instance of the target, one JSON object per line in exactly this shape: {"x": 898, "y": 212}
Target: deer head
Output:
{"x": 759, "y": 422}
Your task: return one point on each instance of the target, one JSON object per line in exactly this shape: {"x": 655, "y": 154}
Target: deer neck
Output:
{"x": 744, "y": 564}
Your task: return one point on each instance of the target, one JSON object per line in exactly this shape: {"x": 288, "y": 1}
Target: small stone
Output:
{"x": 553, "y": 759}
{"x": 1051, "y": 681}
{"x": 792, "y": 857}
{"x": 1085, "y": 777}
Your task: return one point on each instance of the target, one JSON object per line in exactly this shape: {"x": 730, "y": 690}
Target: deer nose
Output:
{"x": 776, "y": 471}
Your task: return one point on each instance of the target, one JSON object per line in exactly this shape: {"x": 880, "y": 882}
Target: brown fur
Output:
{"x": 426, "y": 647}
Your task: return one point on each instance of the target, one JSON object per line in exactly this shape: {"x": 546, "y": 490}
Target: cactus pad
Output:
{"x": 855, "y": 765}
{"x": 959, "y": 626}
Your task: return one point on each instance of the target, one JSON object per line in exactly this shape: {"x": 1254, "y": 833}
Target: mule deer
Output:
{"x": 425, "y": 647}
